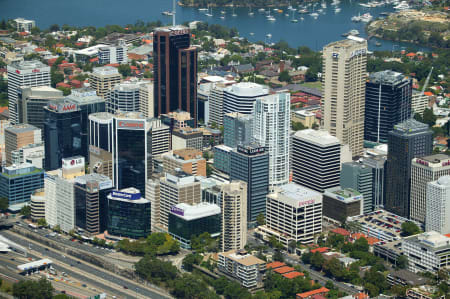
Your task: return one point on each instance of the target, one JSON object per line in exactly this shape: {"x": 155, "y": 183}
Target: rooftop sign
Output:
{"x": 125, "y": 195}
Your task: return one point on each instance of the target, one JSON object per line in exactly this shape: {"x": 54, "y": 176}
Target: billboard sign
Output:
{"x": 126, "y": 195}
{"x": 177, "y": 211}
{"x": 131, "y": 124}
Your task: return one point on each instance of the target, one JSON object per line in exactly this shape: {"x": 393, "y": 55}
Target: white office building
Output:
{"x": 31, "y": 153}
{"x": 152, "y": 193}
{"x": 51, "y": 205}
{"x": 428, "y": 251}
{"x": 419, "y": 102}
{"x": 316, "y": 157}
{"x": 113, "y": 54}
{"x": 246, "y": 268}
{"x": 125, "y": 97}
{"x": 241, "y": 96}
{"x": 293, "y": 213}
{"x": 424, "y": 170}
{"x": 146, "y": 100}
{"x": 438, "y": 206}
{"x": 271, "y": 123}
{"x": 23, "y": 25}
{"x": 24, "y": 74}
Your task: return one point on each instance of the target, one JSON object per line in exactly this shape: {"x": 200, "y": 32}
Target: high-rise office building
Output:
{"x": 153, "y": 194}
{"x": 146, "y": 98}
{"x": 233, "y": 205}
{"x": 31, "y": 103}
{"x": 377, "y": 165}
{"x": 438, "y": 206}
{"x": 344, "y": 84}
{"x": 419, "y": 102}
{"x": 216, "y": 103}
{"x": 222, "y": 158}
{"x": 18, "y": 136}
{"x": 37, "y": 204}
{"x": 3, "y": 125}
{"x": 240, "y": 97}
{"x": 187, "y": 137}
{"x": 250, "y": 164}
{"x": 18, "y": 182}
{"x": 22, "y": 74}
{"x": 113, "y": 53}
{"x": 209, "y": 87}
{"x": 237, "y": 129}
{"x": 388, "y": 102}
{"x": 87, "y": 102}
{"x": 271, "y": 124}
{"x": 128, "y": 214}
{"x": 175, "y": 71}
{"x": 294, "y": 213}
{"x": 358, "y": 176}
{"x": 103, "y": 79}
{"x": 24, "y": 25}
{"x": 316, "y": 157}
{"x": 101, "y": 144}
{"x": 62, "y": 133}
{"x": 91, "y": 205}
{"x": 425, "y": 170}
{"x": 177, "y": 187}
{"x": 159, "y": 140}
{"x": 408, "y": 140}
{"x": 124, "y": 97}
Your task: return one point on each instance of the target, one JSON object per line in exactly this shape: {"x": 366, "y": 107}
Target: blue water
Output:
{"x": 314, "y": 33}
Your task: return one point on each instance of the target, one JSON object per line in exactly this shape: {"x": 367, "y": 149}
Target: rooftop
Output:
{"x": 283, "y": 270}
{"x": 105, "y": 70}
{"x": 243, "y": 258}
{"x": 411, "y": 126}
{"x": 313, "y": 292}
{"x": 318, "y": 137}
{"x": 247, "y": 89}
{"x": 201, "y": 210}
{"x": 431, "y": 239}
{"x": 28, "y": 65}
{"x": 387, "y": 77}
{"x": 22, "y": 128}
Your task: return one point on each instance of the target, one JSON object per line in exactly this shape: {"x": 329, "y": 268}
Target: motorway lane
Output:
{"x": 86, "y": 268}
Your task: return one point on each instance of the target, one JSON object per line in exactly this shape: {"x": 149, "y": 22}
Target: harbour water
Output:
{"x": 311, "y": 32}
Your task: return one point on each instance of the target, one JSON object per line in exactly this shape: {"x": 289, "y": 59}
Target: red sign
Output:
{"x": 129, "y": 124}
{"x": 304, "y": 203}
{"x": 72, "y": 162}
{"x": 69, "y": 107}
{"x": 54, "y": 107}
{"x": 17, "y": 71}
{"x": 36, "y": 71}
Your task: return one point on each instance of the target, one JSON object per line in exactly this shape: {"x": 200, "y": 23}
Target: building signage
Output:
{"x": 251, "y": 150}
{"x": 17, "y": 71}
{"x": 95, "y": 150}
{"x": 71, "y": 163}
{"x": 131, "y": 124}
{"x": 125, "y": 195}
{"x": 180, "y": 32}
{"x": 358, "y": 52}
{"x": 177, "y": 211}
{"x": 66, "y": 107}
{"x": 36, "y": 71}
{"x": 304, "y": 203}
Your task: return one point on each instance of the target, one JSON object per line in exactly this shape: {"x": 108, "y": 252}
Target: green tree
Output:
{"x": 292, "y": 245}
{"x": 402, "y": 262}
{"x": 66, "y": 91}
{"x": 428, "y": 117}
{"x": 54, "y": 27}
{"x": 297, "y": 126}
{"x": 278, "y": 256}
{"x": 361, "y": 245}
{"x": 26, "y": 211}
{"x": 284, "y": 77}
{"x": 191, "y": 287}
{"x": 56, "y": 77}
{"x": 409, "y": 228}
{"x": 260, "y": 219}
{"x": 29, "y": 289}
{"x": 317, "y": 260}
{"x": 4, "y": 203}
{"x": 190, "y": 260}
{"x": 42, "y": 222}
{"x": 155, "y": 270}
{"x": 124, "y": 70}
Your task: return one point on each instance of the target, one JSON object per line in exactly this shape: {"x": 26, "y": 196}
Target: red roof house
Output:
{"x": 310, "y": 294}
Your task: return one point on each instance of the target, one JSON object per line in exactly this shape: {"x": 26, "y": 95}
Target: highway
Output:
{"x": 80, "y": 270}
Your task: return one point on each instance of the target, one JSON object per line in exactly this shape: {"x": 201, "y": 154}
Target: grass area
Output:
{"x": 317, "y": 85}
{"x": 6, "y": 286}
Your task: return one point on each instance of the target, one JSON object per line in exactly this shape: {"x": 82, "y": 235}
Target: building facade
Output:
{"x": 189, "y": 160}
{"x": 247, "y": 269}
{"x": 37, "y": 205}
{"x": 113, "y": 53}
{"x": 437, "y": 217}
{"x": 271, "y": 124}
{"x": 103, "y": 79}
{"x": 125, "y": 97}
{"x": 338, "y": 203}
{"x": 358, "y": 176}
{"x": 344, "y": 82}
{"x": 240, "y": 97}
{"x": 19, "y": 136}
{"x": 237, "y": 129}
{"x": 316, "y": 159}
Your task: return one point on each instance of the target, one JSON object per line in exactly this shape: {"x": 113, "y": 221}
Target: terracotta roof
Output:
{"x": 313, "y": 292}
{"x": 356, "y": 236}
{"x": 274, "y": 265}
{"x": 320, "y": 249}
{"x": 292, "y": 275}
{"x": 428, "y": 93}
{"x": 62, "y": 84}
{"x": 284, "y": 270}
{"x": 361, "y": 296}
{"x": 318, "y": 297}
{"x": 372, "y": 240}
{"x": 447, "y": 235}
{"x": 3, "y": 109}
{"x": 411, "y": 54}
{"x": 341, "y": 231}
{"x": 93, "y": 59}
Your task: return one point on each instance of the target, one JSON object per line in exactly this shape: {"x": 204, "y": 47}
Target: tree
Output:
{"x": 56, "y": 77}
{"x": 311, "y": 75}
{"x": 297, "y": 126}
{"x": 317, "y": 260}
{"x": 54, "y": 27}
{"x": 278, "y": 256}
{"x": 402, "y": 262}
{"x": 190, "y": 260}
{"x": 29, "y": 289}
{"x": 155, "y": 270}
{"x": 409, "y": 228}
{"x": 260, "y": 219}
{"x": 292, "y": 245}
{"x": 42, "y": 222}
{"x": 124, "y": 70}
{"x": 191, "y": 287}
{"x": 284, "y": 77}
{"x": 428, "y": 117}
{"x": 361, "y": 245}
{"x": 4, "y": 203}
{"x": 25, "y": 211}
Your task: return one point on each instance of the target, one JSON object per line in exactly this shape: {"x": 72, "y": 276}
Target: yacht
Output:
{"x": 402, "y": 6}
{"x": 304, "y": 10}
{"x": 323, "y": 4}
{"x": 335, "y": 2}
{"x": 293, "y": 20}
{"x": 356, "y": 18}
{"x": 302, "y": 18}
{"x": 337, "y": 10}
{"x": 202, "y": 9}
{"x": 167, "y": 13}
{"x": 222, "y": 12}
{"x": 353, "y": 32}
{"x": 222, "y": 17}
{"x": 209, "y": 13}
{"x": 250, "y": 12}
{"x": 261, "y": 10}
{"x": 314, "y": 14}
{"x": 367, "y": 17}
{"x": 270, "y": 18}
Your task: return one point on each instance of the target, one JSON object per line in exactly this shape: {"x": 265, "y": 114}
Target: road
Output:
{"x": 295, "y": 259}
{"x": 82, "y": 267}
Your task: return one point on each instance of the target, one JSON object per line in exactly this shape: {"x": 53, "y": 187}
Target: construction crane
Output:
{"x": 426, "y": 81}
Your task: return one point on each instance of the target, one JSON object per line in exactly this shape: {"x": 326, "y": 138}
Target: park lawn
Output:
{"x": 317, "y": 85}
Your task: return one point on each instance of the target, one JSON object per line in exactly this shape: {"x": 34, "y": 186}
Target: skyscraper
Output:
{"x": 237, "y": 129}
{"x": 316, "y": 157}
{"x": 241, "y": 96}
{"x": 62, "y": 133}
{"x": 175, "y": 71}
{"x": 388, "y": 102}
{"x": 358, "y": 176}
{"x": 408, "y": 140}
{"x": 124, "y": 97}
{"x": 233, "y": 206}
{"x": 250, "y": 164}
{"x": 344, "y": 84}
{"x": 22, "y": 74}
{"x": 271, "y": 123}
{"x": 425, "y": 170}
{"x": 438, "y": 206}
{"x": 19, "y": 136}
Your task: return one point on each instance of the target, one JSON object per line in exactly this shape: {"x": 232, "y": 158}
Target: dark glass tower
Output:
{"x": 175, "y": 71}
{"x": 388, "y": 102}
{"x": 408, "y": 140}
{"x": 62, "y": 133}
{"x": 250, "y": 163}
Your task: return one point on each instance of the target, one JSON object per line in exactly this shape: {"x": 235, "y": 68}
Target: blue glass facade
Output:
{"x": 222, "y": 158}
{"x": 18, "y": 183}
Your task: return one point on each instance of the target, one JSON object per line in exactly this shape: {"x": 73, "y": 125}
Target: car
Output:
{"x": 71, "y": 265}
{"x": 46, "y": 249}
{"x": 125, "y": 287}
{"x": 78, "y": 262}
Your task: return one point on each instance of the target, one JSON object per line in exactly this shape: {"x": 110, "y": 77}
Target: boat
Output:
{"x": 385, "y": 13}
{"x": 402, "y": 6}
{"x": 293, "y": 20}
{"x": 222, "y": 17}
{"x": 222, "y": 12}
{"x": 261, "y": 10}
{"x": 286, "y": 15}
{"x": 378, "y": 44}
{"x": 323, "y": 4}
{"x": 167, "y": 13}
{"x": 320, "y": 10}
{"x": 335, "y": 2}
{"x": 337, "y": 10}
{"x": 364, "y": 5}
{"x": 280, "y": 11}
{"x": 202, "y": 9}
{"x": 302, "y": 18}
{"x": 356, "y": 18}
{"x": 209, "y": 13}
{"x": 314, "y": 14}
{"x": 270, "y": 18}
{"x": 353, "y": 32}
{"x": 367, "y": 17}
{"x": 250, "y": 12}
{"x": 251, "y": 33}
{"x": 304, "y": 11}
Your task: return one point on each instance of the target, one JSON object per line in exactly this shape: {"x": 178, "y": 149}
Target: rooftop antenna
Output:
{"x": 174, "y": 8}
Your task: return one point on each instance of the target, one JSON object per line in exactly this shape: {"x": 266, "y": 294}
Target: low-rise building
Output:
{"x": 424, "y": 292}
{"x": 338, "y": 203}
{"x": 246, "y": 268}
{"x": 428, "y": 251}
{"x": 187, "y": 137}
